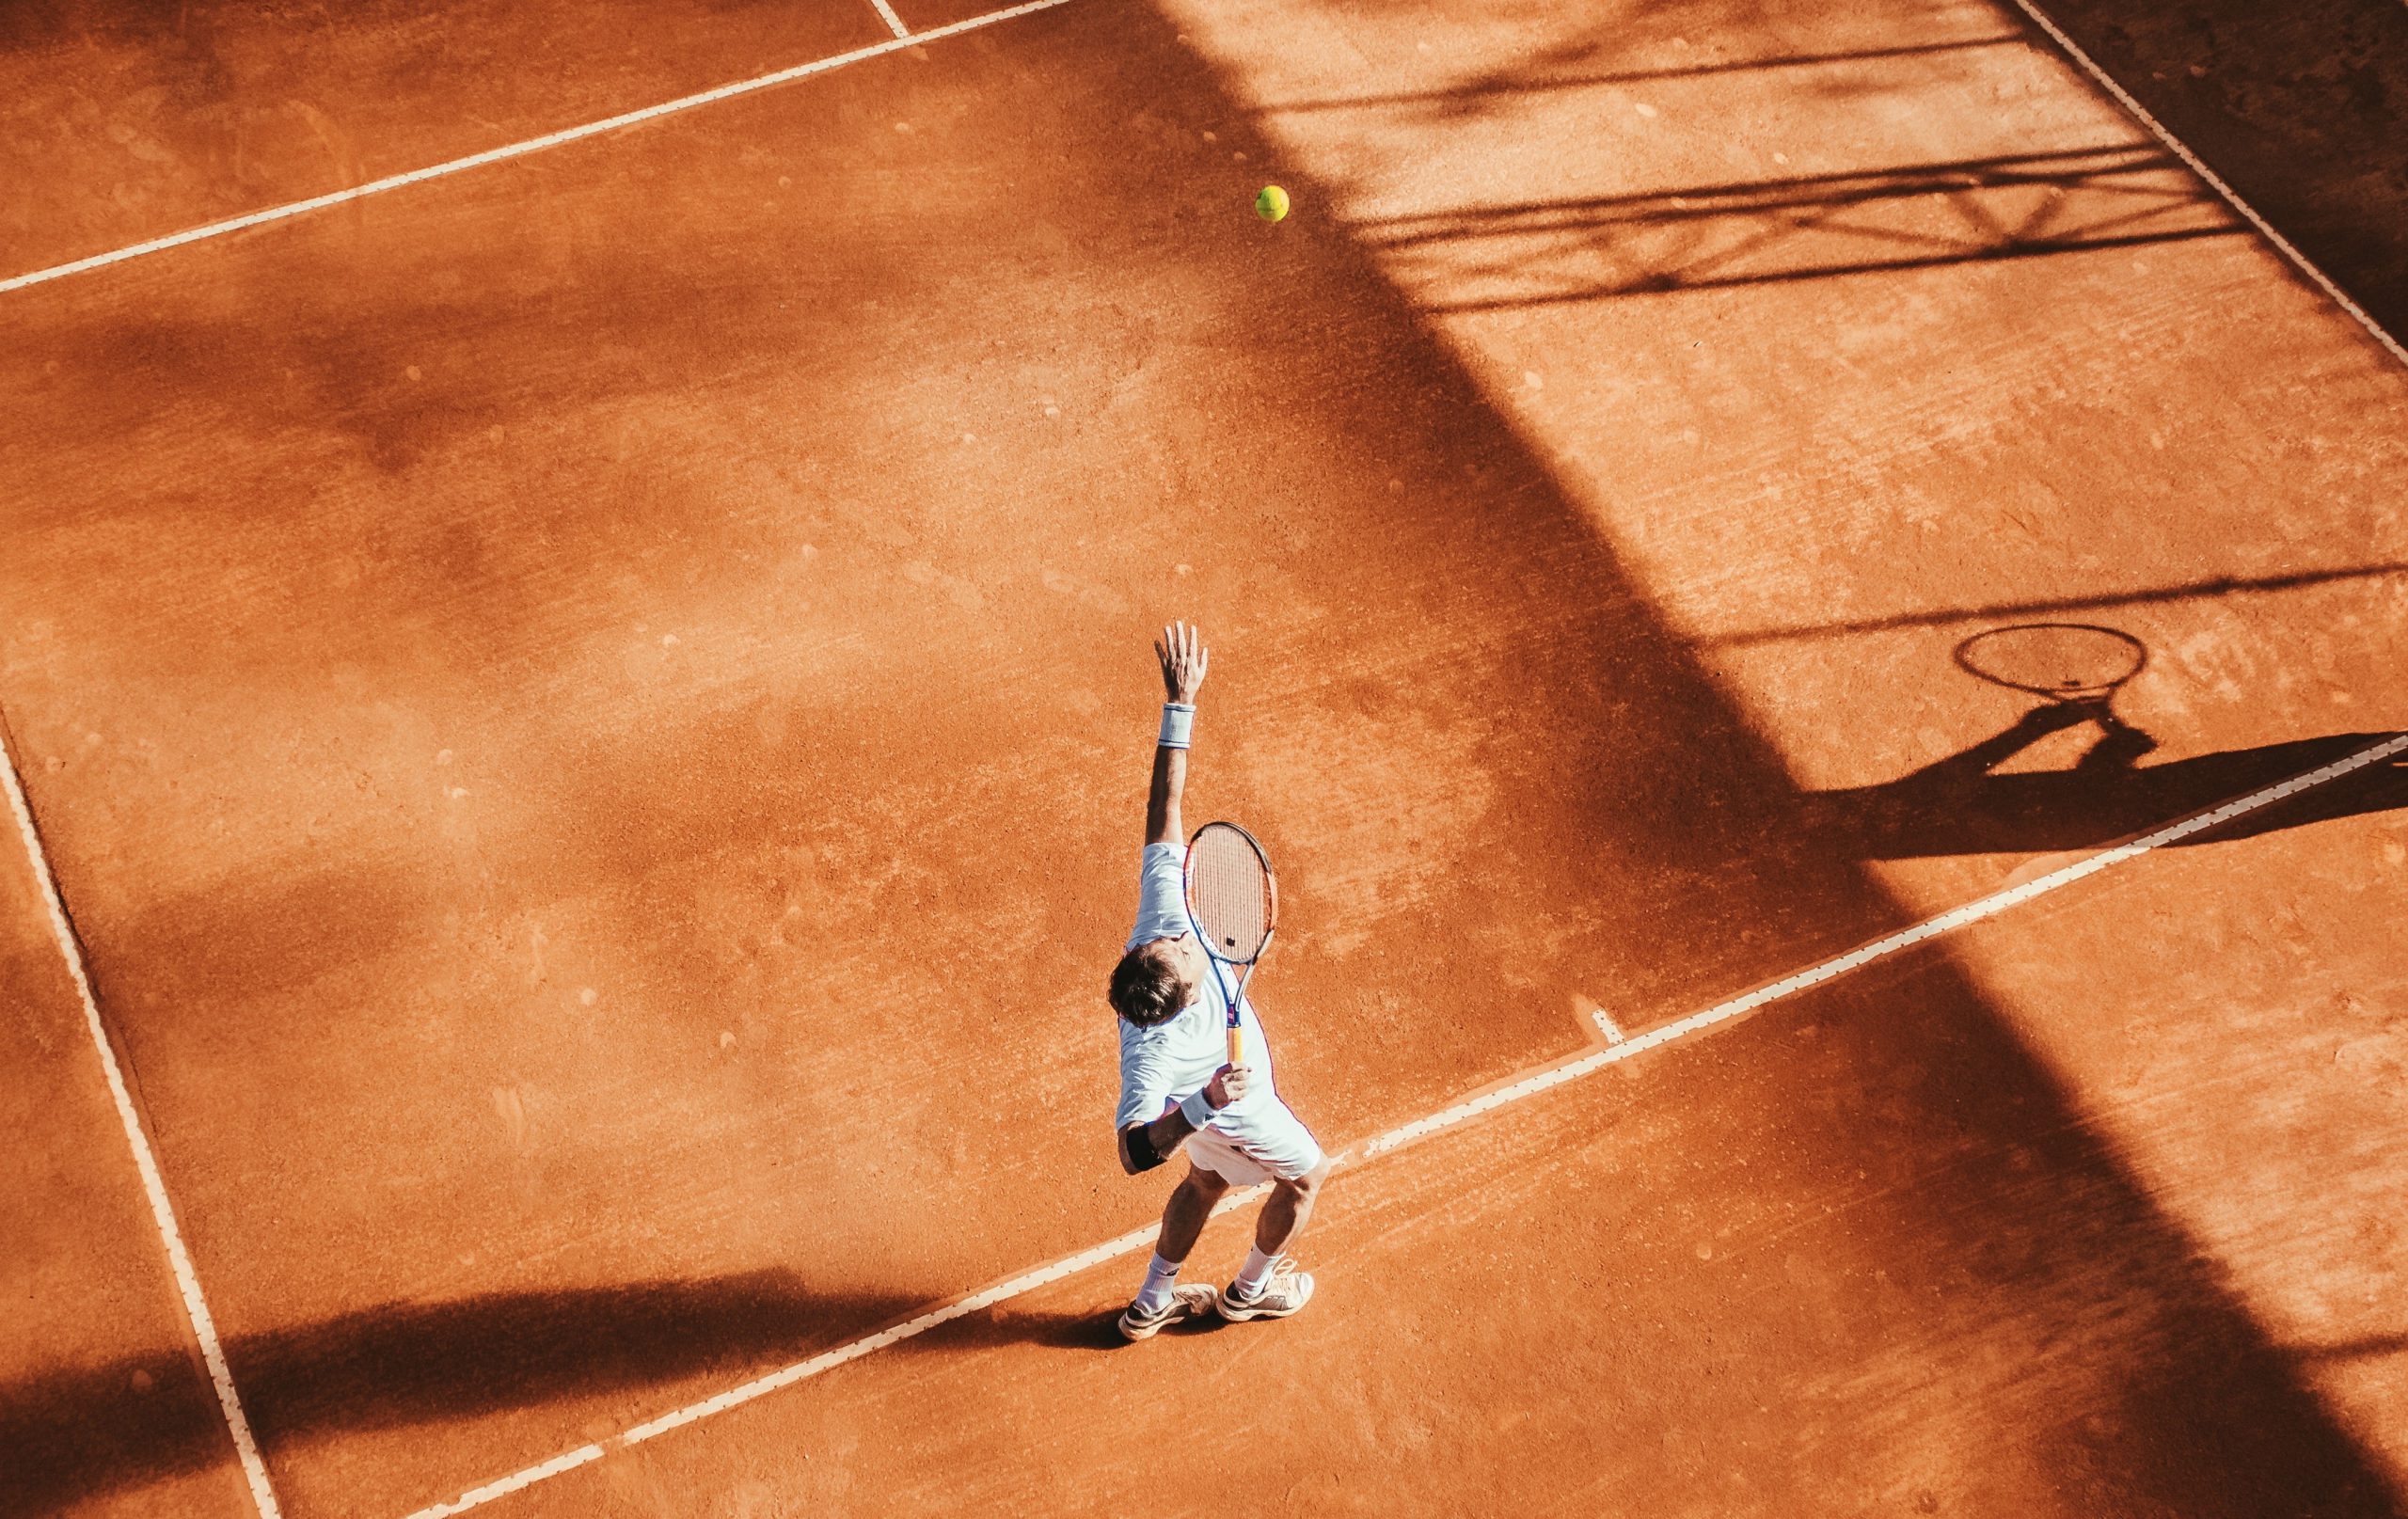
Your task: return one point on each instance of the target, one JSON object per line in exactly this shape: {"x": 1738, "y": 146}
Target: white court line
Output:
{"x": 2157, "y": 129}
{"x": 163, "y": 1212}
{"x": 894, "y": 22}
{"x": 532, "y": 144}
{"x": 1512, "y": 1090}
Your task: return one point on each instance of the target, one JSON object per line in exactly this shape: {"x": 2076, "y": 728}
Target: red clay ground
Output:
{"x": 591, "y": 716}
{"x": 1672, "y": 1293}
{"x": 99, "y": 1374}
{"x": 129, "y": 119}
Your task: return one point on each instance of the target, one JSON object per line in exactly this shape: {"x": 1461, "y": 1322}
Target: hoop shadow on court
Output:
{"x": 1961, "y": 805}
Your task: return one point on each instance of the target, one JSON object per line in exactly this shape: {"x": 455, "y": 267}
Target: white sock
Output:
{"x": 1161, "y": 1277}
{"x": 1251, "y": 1280}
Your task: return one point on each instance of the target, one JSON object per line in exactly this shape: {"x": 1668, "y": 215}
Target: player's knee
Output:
{"x": 1206, "y": 1185}
{"x": 1307, "y": 1186}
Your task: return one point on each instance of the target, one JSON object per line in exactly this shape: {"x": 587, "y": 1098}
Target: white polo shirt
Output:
{"x": 1161, "y": 1066}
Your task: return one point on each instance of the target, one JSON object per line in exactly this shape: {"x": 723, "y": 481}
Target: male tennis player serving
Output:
{"x": 1174, "y": 1003}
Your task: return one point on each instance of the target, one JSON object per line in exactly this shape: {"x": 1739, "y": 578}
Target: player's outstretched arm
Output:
{"x": 1183, "y": 657}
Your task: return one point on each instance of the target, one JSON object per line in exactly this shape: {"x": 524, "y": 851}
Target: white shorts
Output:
{"x": 1244, "y": 1148}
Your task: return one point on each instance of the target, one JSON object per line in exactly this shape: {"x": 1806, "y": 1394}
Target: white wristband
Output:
{"x": 1179, "y": 723}
{"x": 1197, "y": 1111}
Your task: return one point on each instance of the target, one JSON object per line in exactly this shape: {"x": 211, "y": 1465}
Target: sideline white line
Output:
{"x": 520, "y": 150}
{"x": 894, "y": 22}
{"x": 163, "y": 1212}
{"x": 2282, "y": 244}
{"x": 1512, "y": 1090}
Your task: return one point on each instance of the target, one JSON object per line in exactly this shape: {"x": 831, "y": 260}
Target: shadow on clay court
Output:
{"x": 1541, "y": 76}
{"x": 1616, "y": 744}
{"x": 1961, "y": 805}
{"x": 2375, "y": 1347}
{"x": 72, "y": 1435}
{"x": 1814, "y": 226}
{"x": 1957, "y": 805}
{"x": 2226, "y": 585}
{"x": 2301, "y": 107}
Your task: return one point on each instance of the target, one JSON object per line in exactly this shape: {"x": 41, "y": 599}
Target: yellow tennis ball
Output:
{"x": 1272, "y": 203}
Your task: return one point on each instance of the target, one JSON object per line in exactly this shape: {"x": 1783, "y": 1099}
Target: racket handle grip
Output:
{"x": 1237, "y": 1045}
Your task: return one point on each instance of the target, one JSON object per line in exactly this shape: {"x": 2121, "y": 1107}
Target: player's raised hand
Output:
{"x": 1183, "y": 656}
{"x": 1227, "y": 1084}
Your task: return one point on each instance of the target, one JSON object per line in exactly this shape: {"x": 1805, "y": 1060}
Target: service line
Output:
{"x": 532, "y": 145}
{"x": 163, "y": 1212}
{"x": 1513, "y": 1089}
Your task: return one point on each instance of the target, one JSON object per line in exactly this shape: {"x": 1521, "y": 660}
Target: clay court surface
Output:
{"x": 591, "y": 714}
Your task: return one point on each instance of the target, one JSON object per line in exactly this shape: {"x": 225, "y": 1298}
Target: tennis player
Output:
{"x": 1176, "y": 1086}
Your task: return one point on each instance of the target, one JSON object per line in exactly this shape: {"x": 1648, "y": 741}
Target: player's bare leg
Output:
{"x": 1184, "y": 1215}
{"x": 1161, "y": 1301}
{"x": 1270, "y": 1286}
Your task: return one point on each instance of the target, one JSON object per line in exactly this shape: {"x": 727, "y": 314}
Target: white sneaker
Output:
{"x": 1183, "y": 1303}
{"x": 1287, "y": 1290}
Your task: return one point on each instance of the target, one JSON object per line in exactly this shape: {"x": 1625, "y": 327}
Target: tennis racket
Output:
{"x": 1233, "y": 904}
{"x": 2072, "y": 662}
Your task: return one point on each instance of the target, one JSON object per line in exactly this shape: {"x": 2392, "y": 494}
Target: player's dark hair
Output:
{"x": 1146, "y": 986}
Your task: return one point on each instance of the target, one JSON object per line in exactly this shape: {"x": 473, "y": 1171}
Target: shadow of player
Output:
{"x": 1960, "y": 805}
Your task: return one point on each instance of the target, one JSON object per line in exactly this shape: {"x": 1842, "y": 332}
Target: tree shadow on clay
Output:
{"x": 68, "y": 1436}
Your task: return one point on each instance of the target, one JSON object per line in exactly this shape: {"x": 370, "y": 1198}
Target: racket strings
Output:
{"x": 1230, "y": 893}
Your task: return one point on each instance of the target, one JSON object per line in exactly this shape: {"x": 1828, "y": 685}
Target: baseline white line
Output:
{"x": 163, "y": 1212}
{"x": 520, "y": 150}
{"x": 894, "y": 22}
{"x": 1512, "y": 1090}
{"x": 2173, "y": 145}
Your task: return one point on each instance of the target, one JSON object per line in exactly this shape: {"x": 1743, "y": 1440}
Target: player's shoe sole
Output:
{"x": 1185, "y": 1303}
{"x": 1288, "y": 1290}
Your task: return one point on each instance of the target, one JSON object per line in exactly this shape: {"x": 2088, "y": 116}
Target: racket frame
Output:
{"x": 1221, "y": 963}
{"x": 1964, "y": 656}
